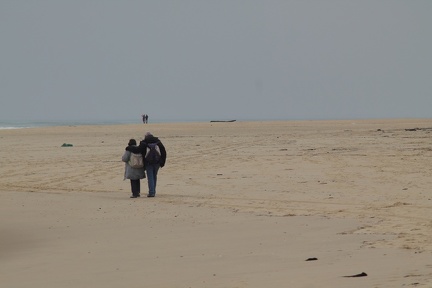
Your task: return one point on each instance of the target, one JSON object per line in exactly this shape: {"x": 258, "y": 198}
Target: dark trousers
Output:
{"x": 135, "y": 186}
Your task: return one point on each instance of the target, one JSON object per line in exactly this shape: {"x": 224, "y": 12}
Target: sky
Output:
{"x": 215, "y": 59}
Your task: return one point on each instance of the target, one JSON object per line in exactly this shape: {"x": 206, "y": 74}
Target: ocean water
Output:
{"x": 21, "y": 124}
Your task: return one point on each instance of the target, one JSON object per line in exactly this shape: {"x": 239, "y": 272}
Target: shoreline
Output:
{"x": 8, "y": 125}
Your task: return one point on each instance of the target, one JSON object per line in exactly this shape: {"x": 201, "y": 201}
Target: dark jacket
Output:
{"x": 142, "y": 148}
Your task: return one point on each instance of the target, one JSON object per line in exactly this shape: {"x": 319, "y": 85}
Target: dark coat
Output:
{"x": 142, "y": 148}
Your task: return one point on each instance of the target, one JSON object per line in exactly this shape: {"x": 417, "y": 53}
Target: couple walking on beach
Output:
{"x": 153, "y": 157}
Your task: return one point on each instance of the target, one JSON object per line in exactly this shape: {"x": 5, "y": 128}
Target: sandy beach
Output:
{"x": 239, "y": 204}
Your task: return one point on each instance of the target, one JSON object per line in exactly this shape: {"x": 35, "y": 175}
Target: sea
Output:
{"x": 22, "y": 124}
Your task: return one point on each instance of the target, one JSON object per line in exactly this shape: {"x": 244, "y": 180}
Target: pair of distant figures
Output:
{"x": 144, "y": 118}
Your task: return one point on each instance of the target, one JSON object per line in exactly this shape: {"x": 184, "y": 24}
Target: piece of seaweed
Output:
{"x": 363, "y": 274}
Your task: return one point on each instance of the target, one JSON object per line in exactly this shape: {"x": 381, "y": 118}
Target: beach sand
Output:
{"x": 239, "y": 204}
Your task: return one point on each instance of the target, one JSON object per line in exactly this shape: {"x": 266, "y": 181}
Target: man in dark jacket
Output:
{"x": 152, "y": 167}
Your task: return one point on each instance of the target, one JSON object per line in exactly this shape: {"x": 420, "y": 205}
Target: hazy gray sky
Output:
{"x": 215, "y": 59}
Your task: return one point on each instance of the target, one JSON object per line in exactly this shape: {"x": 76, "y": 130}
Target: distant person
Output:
{"x": 134, "y": 174}
{"x": 155, "y": 158}
{"x": 143, "y": 118}
{"x": 146, "y": 118}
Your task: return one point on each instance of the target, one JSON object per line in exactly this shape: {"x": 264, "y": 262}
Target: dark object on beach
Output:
{"x": 222, "y": 121}
{"x": 311, "y": 259}
{"x": 67, "y": 145}
{"x": 419, "y": 129}
{"x": 363, "y": 274}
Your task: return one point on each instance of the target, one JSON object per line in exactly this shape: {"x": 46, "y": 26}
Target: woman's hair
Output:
{"x": 132, "y": 142}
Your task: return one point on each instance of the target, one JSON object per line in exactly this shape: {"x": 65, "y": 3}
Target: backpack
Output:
{"x": 153, "y": 156}
{"x": 136, "y": 160}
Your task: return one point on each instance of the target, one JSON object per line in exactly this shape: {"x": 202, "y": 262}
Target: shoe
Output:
{"x": 133, "y": 196}
{"x": 150, "y": 195}
{"x": 138, "y": 195}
